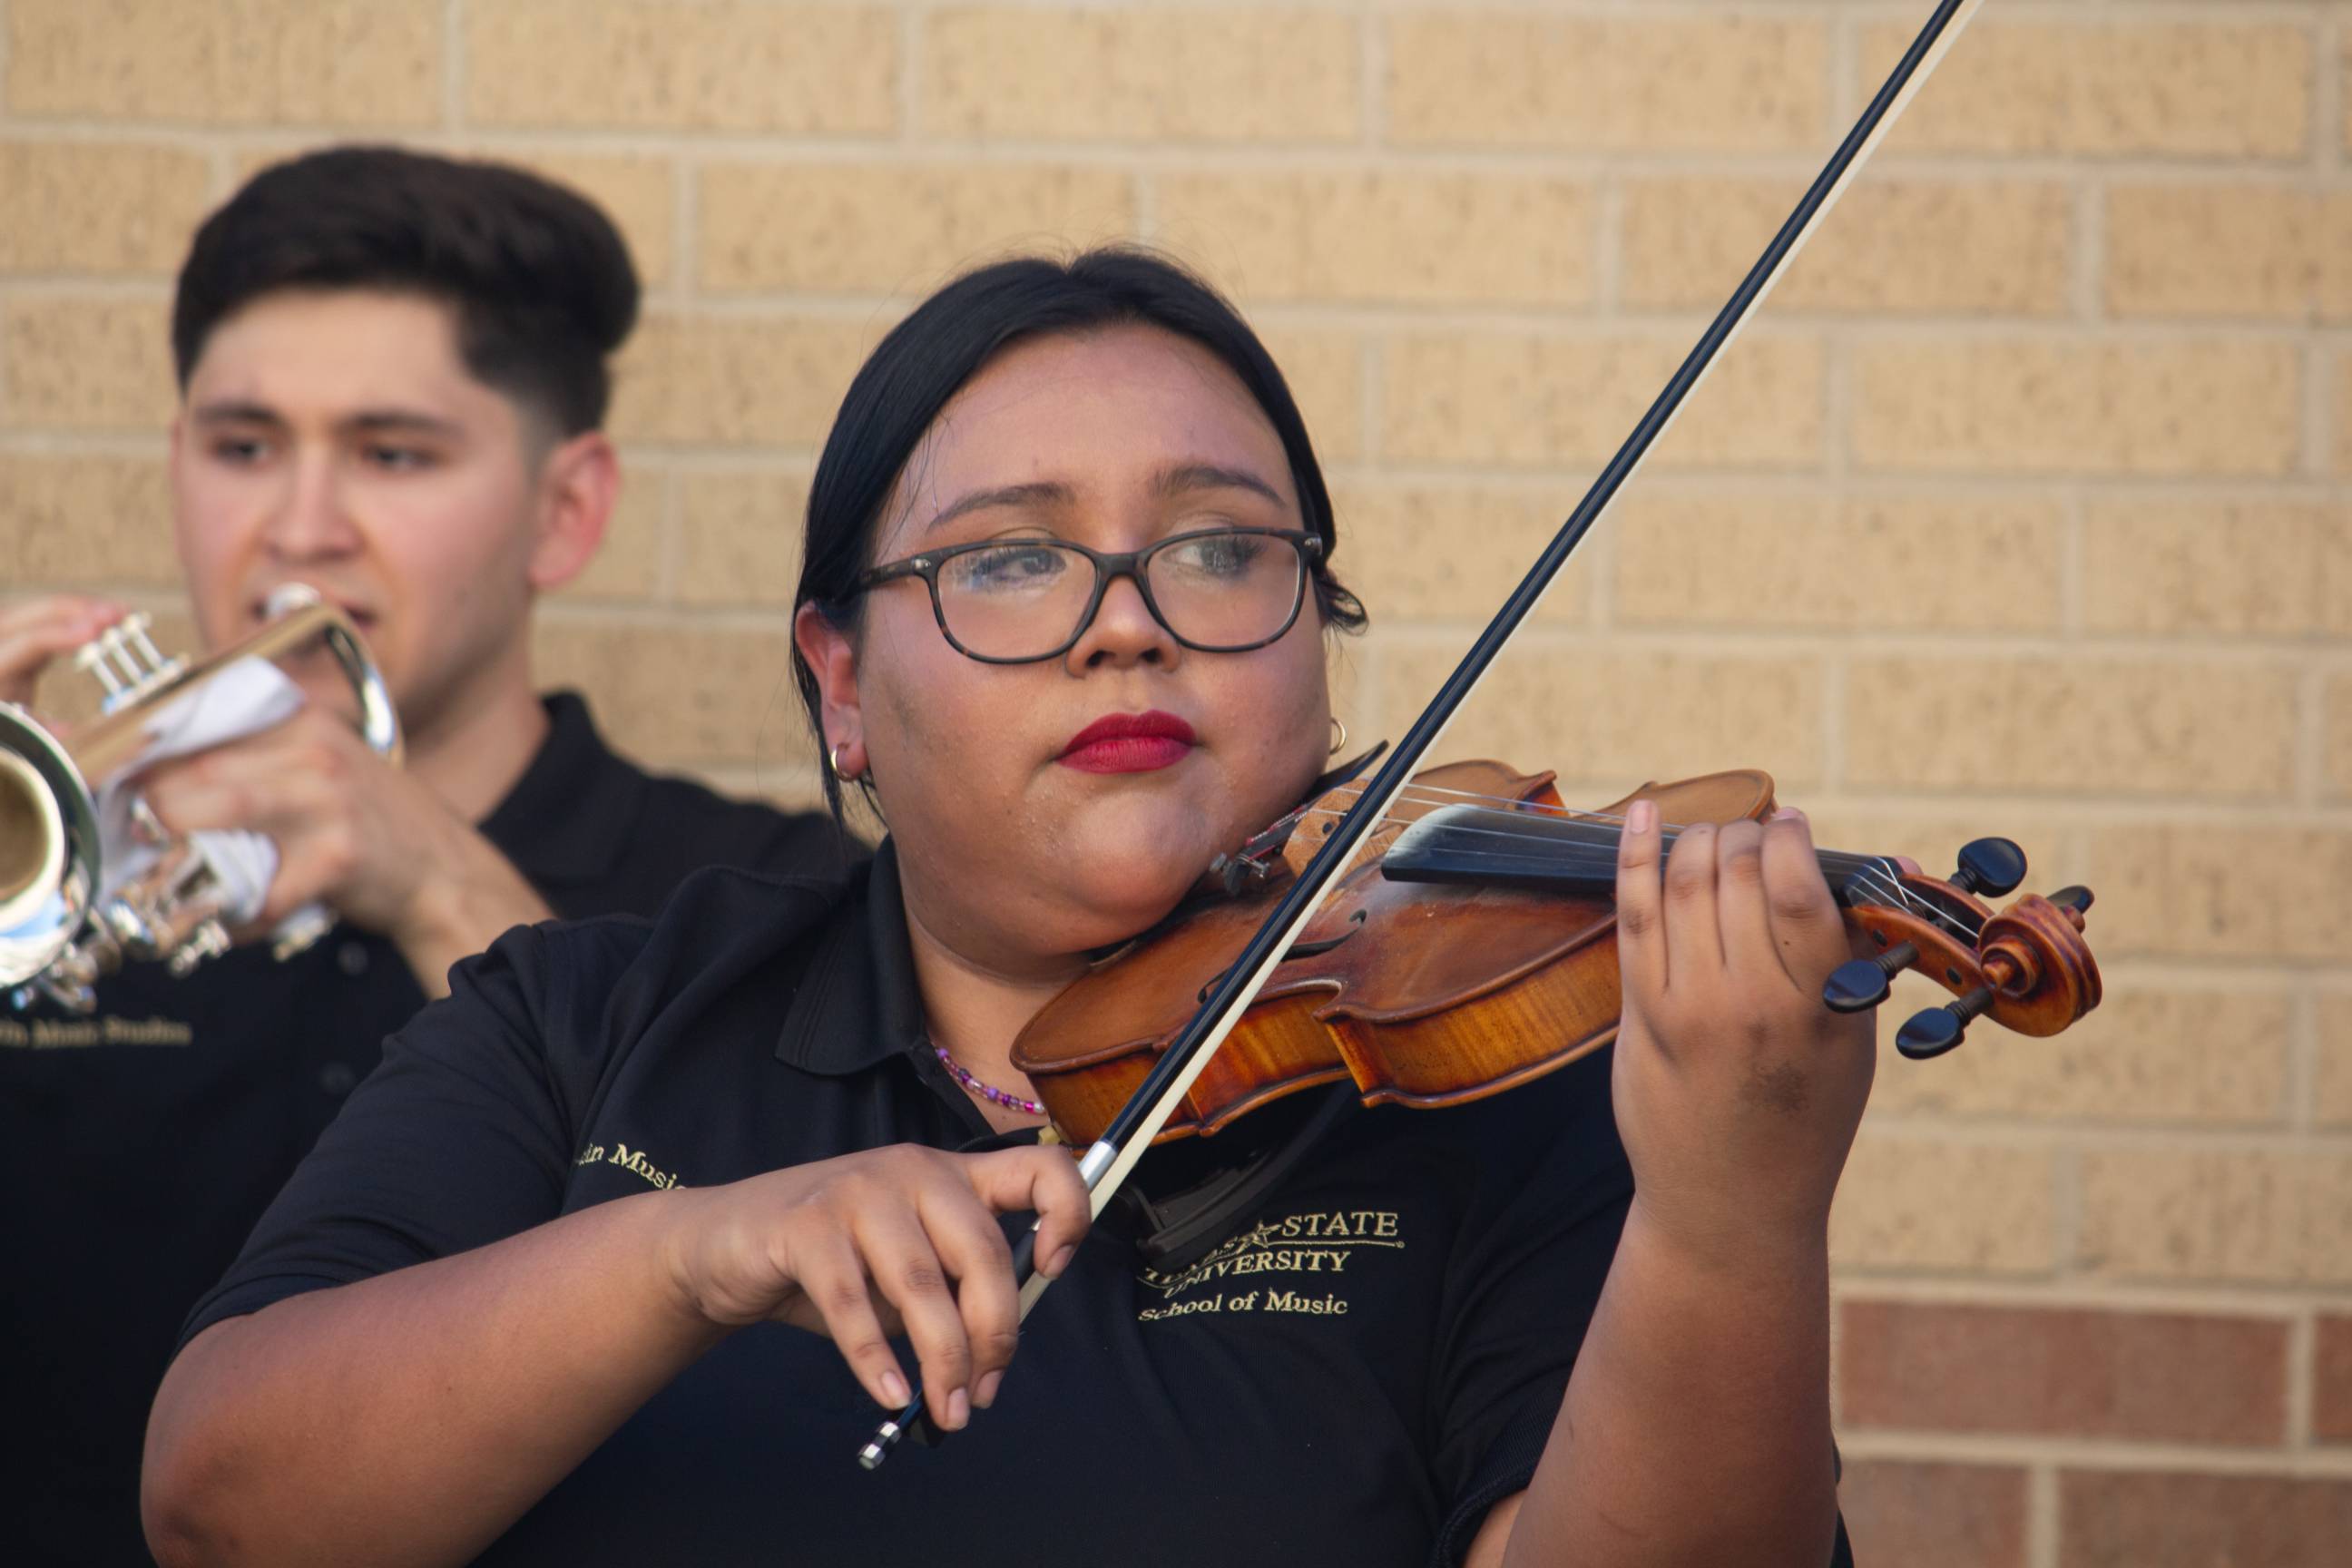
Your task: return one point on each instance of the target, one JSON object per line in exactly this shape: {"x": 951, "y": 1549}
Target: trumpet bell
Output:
{"x": 48, "y": 848}
{"x": 62, "y": 924}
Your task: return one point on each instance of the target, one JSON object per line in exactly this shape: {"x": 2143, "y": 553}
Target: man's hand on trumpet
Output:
{"x": 35, "y": 631}
{"x": 373, "y": 842}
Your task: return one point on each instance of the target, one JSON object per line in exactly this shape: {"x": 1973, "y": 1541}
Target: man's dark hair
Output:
{"x": 540, "y": 280}
{"x": 926, "y": 359}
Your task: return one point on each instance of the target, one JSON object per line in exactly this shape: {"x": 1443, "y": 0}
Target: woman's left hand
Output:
{"x": 1737, "y": 1091}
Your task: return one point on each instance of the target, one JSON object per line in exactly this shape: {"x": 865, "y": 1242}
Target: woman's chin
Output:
{"x": 1108, "y": 903}
{"x": 1152, "y": 836}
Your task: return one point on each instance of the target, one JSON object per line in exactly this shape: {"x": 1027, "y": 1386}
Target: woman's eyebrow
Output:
{"x": 1186, "y": 476}
{"x": 1045, "y": 492}
{"x": 1170, "y": 481}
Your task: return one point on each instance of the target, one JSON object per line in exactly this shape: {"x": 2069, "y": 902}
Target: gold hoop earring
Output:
{"x": 1338, "y": 733}
{"x": 833, "y": 761}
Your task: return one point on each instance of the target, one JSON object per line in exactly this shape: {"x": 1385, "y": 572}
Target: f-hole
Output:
{"x": 1301, "y": 950}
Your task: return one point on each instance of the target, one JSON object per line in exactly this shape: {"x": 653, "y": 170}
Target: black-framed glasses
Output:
{"x": 1016, "y": 601}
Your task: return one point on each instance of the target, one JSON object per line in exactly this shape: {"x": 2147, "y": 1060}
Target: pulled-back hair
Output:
{"x": 926, "y": 360}
{"x": 540, "y": 280}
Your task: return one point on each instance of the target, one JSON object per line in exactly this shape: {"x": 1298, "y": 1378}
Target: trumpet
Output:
{"x": 62, "y": 928}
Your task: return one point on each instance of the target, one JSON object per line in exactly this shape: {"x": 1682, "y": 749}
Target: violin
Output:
{"x": 2027, "y": 967}
{"x": 1470, "y": 947}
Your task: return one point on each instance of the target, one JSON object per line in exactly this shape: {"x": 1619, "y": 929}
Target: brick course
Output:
{"x": 2164, "y": 1519}
{"x": 1934, "y": 1516}
{"x": 2062, "y": 1372}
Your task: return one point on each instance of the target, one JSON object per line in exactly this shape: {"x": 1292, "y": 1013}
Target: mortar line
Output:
{"x": 2303, "y": 1061}
{"x": 453, "y": 64}
{"x": 2113, "y": 1454}
{"x": 2090, "y": 222}
{"x": 2041, "y": 1522}
{"x": 912, "y": 65}
{"x": 2074, "y": 579}
{"x": 2302, "y": 1367}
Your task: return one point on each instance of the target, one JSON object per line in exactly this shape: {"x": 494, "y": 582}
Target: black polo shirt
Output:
{"x": 147, "y": 1138}
{"x": 1362, "y": 1367}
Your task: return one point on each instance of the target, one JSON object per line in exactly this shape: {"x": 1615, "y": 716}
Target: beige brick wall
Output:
{"x": 2027, "y": 508}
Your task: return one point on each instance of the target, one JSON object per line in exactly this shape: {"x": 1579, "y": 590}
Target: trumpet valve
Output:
{"x": 209, "y": 940}
{"x": 70, "y": 981}
{"x": 129, "y": 926}
{"x": 125, "y": 661}
{"x": 299, "y": 931}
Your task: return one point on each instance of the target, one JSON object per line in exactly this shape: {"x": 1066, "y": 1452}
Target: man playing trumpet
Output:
{"x": 394, "y": 378}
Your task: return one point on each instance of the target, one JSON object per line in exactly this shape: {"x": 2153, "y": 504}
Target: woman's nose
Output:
{"x": 1123, "y": 631}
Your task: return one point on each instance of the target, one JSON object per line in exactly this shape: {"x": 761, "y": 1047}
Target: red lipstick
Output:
{"x": 1129, "y": 744}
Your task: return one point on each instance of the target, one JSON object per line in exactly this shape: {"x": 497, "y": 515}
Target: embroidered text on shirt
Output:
{"x": 629, "y": 1158}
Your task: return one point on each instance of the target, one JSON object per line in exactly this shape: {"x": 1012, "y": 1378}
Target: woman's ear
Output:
{"x": 832, "y": 658}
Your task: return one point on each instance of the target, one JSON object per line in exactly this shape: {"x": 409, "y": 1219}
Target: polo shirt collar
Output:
{"x": 857, "y": 1006}
{"x": 568, "y": 818}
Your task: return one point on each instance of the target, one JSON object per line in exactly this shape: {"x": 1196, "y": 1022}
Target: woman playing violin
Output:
{"x": 629, "y": 1241}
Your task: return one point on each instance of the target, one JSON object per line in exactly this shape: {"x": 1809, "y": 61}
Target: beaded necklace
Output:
{"x": 986, "y": 1092}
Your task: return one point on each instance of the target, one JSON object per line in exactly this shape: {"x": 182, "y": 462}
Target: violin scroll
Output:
{"x": 2027, "y": 967}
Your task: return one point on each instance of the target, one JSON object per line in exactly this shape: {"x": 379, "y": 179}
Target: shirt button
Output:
{"x": 351, "y": 959}
{"x": 337, "y": 1080}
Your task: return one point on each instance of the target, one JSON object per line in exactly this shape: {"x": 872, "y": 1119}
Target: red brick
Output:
{"x": 1934, "y": 1516}
{"x": 2064, "y": 1371}
{"x": 2158, "y": 1519}
{"x": 2331, "y": 1380}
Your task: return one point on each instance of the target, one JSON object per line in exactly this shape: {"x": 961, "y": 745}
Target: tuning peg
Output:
{"x": 1994, "y": 866}
{"x": 2077, "y": 898}
{"x": 1936, "y": 1030}
{"x": 1860, "y": 984}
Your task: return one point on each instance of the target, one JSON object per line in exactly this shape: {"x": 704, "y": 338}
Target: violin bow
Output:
{"x": 1106, "y": 1165}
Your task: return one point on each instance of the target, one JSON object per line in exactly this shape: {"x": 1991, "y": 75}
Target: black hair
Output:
{"x": 926, "y": 360}
{"x": 540, "y": 283}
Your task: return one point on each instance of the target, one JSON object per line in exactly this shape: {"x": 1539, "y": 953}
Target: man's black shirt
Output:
{"x": 147, "y": 1138}
{"x": 1365, "y": 1364}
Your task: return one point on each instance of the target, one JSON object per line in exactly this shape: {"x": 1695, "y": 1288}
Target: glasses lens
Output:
{"x": 1227, "y": 590}
{"x": 1020, "y": 599}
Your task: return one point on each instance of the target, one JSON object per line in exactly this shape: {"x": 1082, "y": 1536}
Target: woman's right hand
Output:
{"x": 35, "y": 631}
{"x": 899, "y": 1239}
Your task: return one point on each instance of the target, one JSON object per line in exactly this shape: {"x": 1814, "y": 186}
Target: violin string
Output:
{"x": 1844, "y": 861}
{"x": 1871, "y": 875}
{"x": 1863, "y": 874}
{"x": 1876, "y": 874}
{"x": 1887, "y": 877}
{"x": 1429, "y": 793}
{"x": 1874, "y": 871}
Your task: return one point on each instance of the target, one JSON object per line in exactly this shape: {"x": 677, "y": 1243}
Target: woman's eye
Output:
{"x": 1007, "y": 566}
{"x": 1221, "y": 554}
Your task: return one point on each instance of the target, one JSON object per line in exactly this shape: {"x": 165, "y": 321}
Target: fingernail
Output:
{"x": 896, "y": 1388}
{"x": 984, "y": 1392}
{"x": 1059, "y": 1261}
{"x": 1641, "y": 817}
{"x": 959, "y": 1410}
{"x": 1787, "y": 814}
